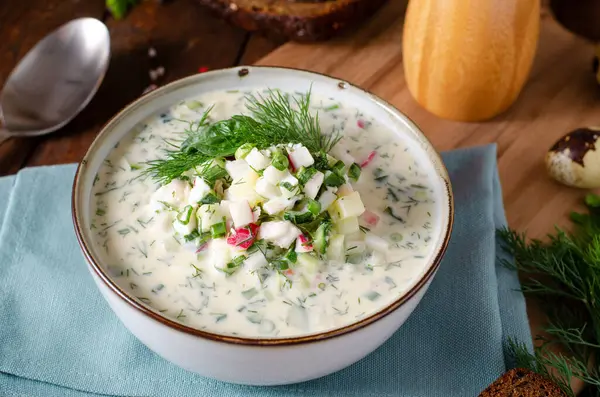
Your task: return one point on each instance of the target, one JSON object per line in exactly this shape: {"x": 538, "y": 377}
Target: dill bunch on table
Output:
{"x": 563, "y": 273}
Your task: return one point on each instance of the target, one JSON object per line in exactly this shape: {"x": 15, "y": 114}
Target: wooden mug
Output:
{"x": 468, "y": 60}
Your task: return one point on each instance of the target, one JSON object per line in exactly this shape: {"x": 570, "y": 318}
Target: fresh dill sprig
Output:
{"x": 274, "y": 119}
{"x": 563, "y": 273}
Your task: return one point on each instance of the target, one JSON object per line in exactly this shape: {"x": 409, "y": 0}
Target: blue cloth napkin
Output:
{"x": 58, "y": 337}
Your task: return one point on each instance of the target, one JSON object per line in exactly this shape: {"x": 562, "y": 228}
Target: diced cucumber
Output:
{"x": 280, "y": 161}
{"x": 304, "y": 174}
{"x": 210, "y": 198}
{"x": 298, "y": 217}
{"x": 334, "y": 180}
{"x": 347, "y": 225}
{"x": 321, "y": 236}
{"x": 314, "y": 207}
{"x": 338, "y": 167}
{"x": 243, "y": 151}
{"x": 335, "y": 250}
{"x": 218, "y": 229}
{"x": 354, "y": 171}
{"x": 309, "y": 263}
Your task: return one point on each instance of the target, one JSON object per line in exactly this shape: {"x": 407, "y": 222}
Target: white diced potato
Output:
{"x": 344, "y": 190}
{"x": 278, "y": 204}
{"x": 291, "y": 179}
{"x": 326, "y": 199}
{"x": 199, "y": 190}
{"x": 311, "y": 188}
{"x": 255, "y": 261}
{"x": 300, "y": 157}
{"x": 335, "y": 249}
{"x": 174, "y": 193}
{"x": 257, "y": 160}
{"x": 280, "y": 233}
{"x": 237, "y": 169}
{"x": 273, "y": 175}
{"x": 256, "y": 213}
{"x": 241, "y": 213}
{"x": 376, "y": 243}
{"x": 347, "y": 225}
{"x": 344, "y": 207}
{"x": 208, "y": 215}
{"x": 267, "y": 189}
{"x": 219, "y": 253}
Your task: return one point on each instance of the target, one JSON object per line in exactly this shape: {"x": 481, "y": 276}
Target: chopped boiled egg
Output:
{"x": 257, "y": 160}
{"x": 267, "y": 189}
{"x": 280, "y": 233}
{"x": 300, "y": 156}
{"x": 208, "y": 215}
{"x": 278, "y": 204}
{"x": 244, "y": 189}
{"x": 311, "y": 188}
{"x": 237, "y": 169}
{"x": 198, "y": 192}
{"x": 241, "y": 213}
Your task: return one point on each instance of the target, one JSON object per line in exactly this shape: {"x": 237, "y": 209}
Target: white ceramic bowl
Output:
{"x": 244, "y": 360}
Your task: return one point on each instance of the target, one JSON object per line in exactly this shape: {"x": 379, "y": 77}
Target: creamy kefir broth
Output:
{"x": 142, "y": 254}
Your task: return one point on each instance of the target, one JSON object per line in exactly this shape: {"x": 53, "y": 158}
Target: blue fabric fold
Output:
{"x": 58, "y": 337}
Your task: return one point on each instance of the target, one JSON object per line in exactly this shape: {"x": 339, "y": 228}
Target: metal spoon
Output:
{"x": 55, "y": 80}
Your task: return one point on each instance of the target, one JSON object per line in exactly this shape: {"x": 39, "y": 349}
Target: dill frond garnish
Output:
{"x": 274, "y": 119}
{"x": 563, "y": 273}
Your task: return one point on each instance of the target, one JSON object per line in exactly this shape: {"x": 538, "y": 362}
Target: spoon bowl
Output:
{"x": 55, "y": 80}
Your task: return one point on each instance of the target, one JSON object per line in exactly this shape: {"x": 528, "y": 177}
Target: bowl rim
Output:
{"x": 238, "y": 340}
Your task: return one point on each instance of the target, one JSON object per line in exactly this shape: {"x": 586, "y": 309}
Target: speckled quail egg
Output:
{"x": 574, "y": 160}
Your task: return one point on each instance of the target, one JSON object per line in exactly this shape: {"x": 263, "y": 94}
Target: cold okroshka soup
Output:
{"x": 243, "y": 213}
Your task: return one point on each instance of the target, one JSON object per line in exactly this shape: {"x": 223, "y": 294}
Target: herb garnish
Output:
{"x": 273, "y": 121}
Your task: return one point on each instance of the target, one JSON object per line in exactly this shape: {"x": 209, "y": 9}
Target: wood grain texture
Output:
{"x": 560, "y": 95}
{"x": 19, "y": 34}
{"x": 184, "y": 36}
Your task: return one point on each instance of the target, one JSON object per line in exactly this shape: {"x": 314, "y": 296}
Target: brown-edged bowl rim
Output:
{"x": 388, "y": 309}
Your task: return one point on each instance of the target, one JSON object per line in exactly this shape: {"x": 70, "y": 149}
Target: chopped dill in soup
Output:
{"x": 246, "y": 214}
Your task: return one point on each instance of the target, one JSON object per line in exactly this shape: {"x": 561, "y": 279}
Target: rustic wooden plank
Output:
{"x": 184, "y": 36}
{"x": 258, "y": 46}
{"x": 561, "y": 95}
{"x": 22, "y": 25}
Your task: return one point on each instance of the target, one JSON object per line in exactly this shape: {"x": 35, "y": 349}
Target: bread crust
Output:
{"x": 299, "y": 20}
{"x": 520, "y": 382}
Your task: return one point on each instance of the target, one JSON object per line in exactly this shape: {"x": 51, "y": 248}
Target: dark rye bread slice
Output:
{"x": 298, "y": 20}
{"x": 521, "y": 382}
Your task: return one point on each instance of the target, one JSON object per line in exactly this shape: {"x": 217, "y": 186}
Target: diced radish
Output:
{"x": 280, "y": 233}
{"x": 257, "y": 160}
{"x": 241, "y": 213}
{"x": 370, "y": 218}
{"x": 243, "y": 237}
{"x": 311, "y": 188}
{"x": 369, "y": 159}
{"x": 360, "y": 124}
{"x": 327, "y": 198}
{"x": 202, "y": 248}
{"x": 292, "y": 165}
{"x": 267, "y": 189}
{"x": 300, "y": 156}
{"x": 273, "y": 175}
{"x": 303, "y": 244}
{"x": 376, "y": 243}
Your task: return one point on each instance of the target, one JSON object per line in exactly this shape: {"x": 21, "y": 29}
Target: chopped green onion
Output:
{"x": 243, "y": 151}
{"x": 232, "y": 266}
{"x": 321, "y": 162}
{"x": 334, "y": 180}
{"x": 297, "y": 217}
{"x": 304, "y": 174}
{"x": 321, "y": 235}
{"x": 291, "y": 255}
{"x": 218, "y": 229}
{"x": 314, "y": 206}
{"x": 287, "y": 186}
{"x": 280, "y": 264}
{"x": 354, "y": 171}
{"x": 322, "y": 286}
{"x": 338, "y": 167}
{"x": 185, "y": 215}
{"x": 192, "y": 236}
{"x": 280, "y": 161}
{"x": 373, "y": 295}
{"x": 210, "y": 198}
{"x": 396, "y": 237}
{"x": 192, "y": 105}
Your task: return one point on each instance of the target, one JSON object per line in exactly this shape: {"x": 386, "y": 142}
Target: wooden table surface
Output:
{"x": 185, "y": 36}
